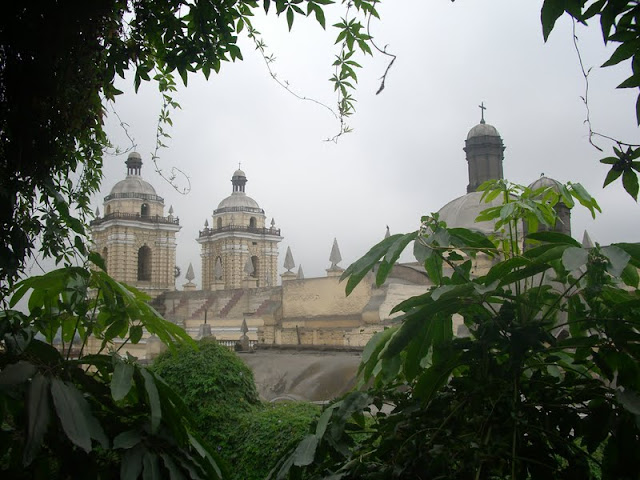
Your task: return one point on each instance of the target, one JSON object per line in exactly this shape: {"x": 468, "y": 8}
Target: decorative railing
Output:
{"x": 137, "y": 217}
{"x": 238, "y": 209}
{"x": 208, "y": 232}
{"x": 143, "y": 196}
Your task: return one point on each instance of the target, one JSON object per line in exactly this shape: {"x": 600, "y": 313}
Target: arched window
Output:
{"x": 254, "y": 261}
{"x": 219, "y": 223}
{"x": 105, "y": 257}
{"x": 144, "y": 210}
{"x": 252, "y": 222}
{"x": 144, "y": 264}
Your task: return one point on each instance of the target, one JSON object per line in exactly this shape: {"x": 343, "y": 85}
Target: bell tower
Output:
{"x": 238, "y": 249}
{"x": 135, "y": 239}
{"x": 485, "y": 153}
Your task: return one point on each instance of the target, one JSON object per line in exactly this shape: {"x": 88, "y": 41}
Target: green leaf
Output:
{"x": 290, "y": 18}
{"x": 153, "y": 398}
{"x": 151, "y": 466}
{"x": 131, "y": 463}
{"x": 618, "y": 259}
{"x": 392, "y": 256}
{"x": 630, "y": 183}
{"x": 71, "y": 414}
{"x": 16, "y": 373}
{"x": 613, "y": 174}
{"x": 128, "y": 439}
{"x": 174, "y": 471}
{"x": 38, "y": 416}
{"x": 554, "y": 237}
{"x": 551, "y": 11}
{"x": 305, "y": 451}
{"x": 122, "y": 379}
{"x": 630, "y": 400}
{"x": 135, "y": 333}
{"x": 574, "y": 258}
{"x": 357, "y": 270}
{"x": 630, "y": 276}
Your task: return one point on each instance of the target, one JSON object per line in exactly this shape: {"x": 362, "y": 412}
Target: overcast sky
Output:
{"x": 404, "y": 158}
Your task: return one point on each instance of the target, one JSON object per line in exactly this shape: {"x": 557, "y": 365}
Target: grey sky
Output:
{"x": 405, "y": 157}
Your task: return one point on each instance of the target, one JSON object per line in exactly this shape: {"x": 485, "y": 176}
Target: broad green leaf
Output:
{"x": 630, "y": 276}
{"x": 323, "y": 421}
{"x": 128, "y": 439}
{"x": 122, "y": 379}
{"x": 630, "y": 400}
{"x": 71, "y": 414}
{"x": 392, "y": 256}
{"x": 174, "y": 471}
{"x": 135, "y": 333}
{"x": 131, "y": 463}
{"x": 153, "y": 398}
{"x": 618, "y": 259}
{"x": 357, "y": 270}
{"x": 551, "y": 11}
{"x": 554, "y": 237}
{"x": 574, "y": 258}
{"x": 305, "y": 451}
{"x": 151, "y": 466}
{"x": 630, "y": 183}
{"x": 613, "y": 174}
{"x": 16, "y": 373}
{"x": 38, "y": 416}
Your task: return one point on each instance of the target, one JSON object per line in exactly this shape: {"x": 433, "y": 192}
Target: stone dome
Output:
{"x": 463, "y": 211}
{"x": 133, "y": 184}
{"x": 545, "y": 182}
{"x": 483, "y": 130}
{"x": 239, "y": 173}
{"x": 238, "y": 200}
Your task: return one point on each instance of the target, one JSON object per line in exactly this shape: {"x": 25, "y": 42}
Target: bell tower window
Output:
{"x": 144, "y": 264}
{"x": 144, "y": 210}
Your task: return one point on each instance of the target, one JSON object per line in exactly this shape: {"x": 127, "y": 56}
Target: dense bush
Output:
{"x": 215, "y": 385}
{"x": 219, "y": 390}
{"x": 268, "y": 432}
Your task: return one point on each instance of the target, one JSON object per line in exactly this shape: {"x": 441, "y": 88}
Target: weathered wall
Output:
{"x": 323, "y": 298}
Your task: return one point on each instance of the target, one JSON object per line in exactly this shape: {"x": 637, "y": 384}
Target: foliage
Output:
{"x": 545, "y": 385}
{"x": 218, "y": 388}
{"x": 265, "y": 434}
{"x": 58, "y": 70}
{"x": 214, "y": 384}
{"x": 66, "y": 413}
{"x": 619, "y": 22}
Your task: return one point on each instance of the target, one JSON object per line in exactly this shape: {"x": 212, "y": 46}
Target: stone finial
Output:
{"x": 387, "y": 234}
{"x": 586, "y": 240}
{"x": 171, "y": 210}
{"x": 97, "y": 212}
{"x": 248, "y": 267}
{"x": 217, "y": 269}
{"x": 190, "y": 275}
{"x": 244, "y": 328}
{"x": 273, "y": 223}
{"x": 300, "y": 273}
{"x": 288, "y": 260}
{"x": 206, "y": 223}
{"x": 335, "y": 258}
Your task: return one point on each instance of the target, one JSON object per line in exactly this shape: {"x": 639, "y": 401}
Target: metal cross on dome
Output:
{"x": 482, "y": 109}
